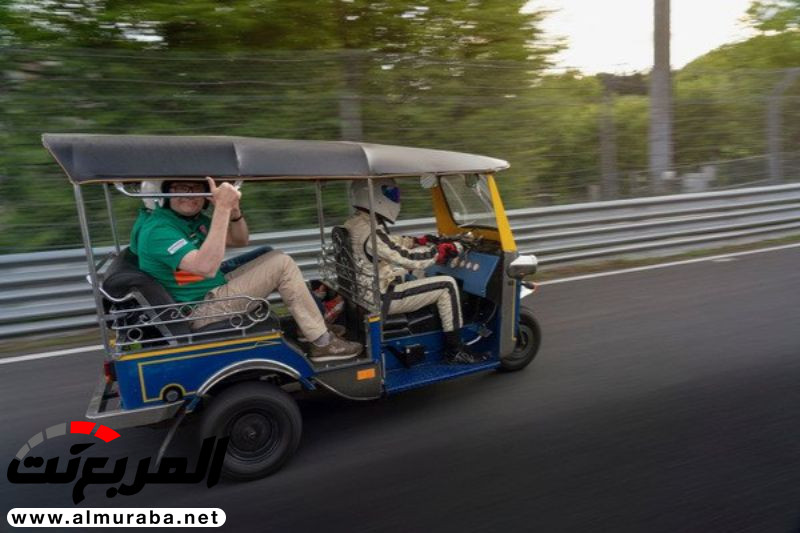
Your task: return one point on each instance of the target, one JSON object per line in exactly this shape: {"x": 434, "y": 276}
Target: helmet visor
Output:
{"x": 391, "y": 192}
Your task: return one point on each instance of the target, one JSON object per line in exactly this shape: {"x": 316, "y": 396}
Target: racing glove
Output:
{"x": 426, "y": 239}
{"x": 446, "y": 251}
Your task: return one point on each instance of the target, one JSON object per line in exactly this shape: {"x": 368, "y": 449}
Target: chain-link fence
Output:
{"x": 569, "y": 137}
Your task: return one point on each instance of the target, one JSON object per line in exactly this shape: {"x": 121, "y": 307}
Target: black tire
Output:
{"x": 529, "y": 339}
{"x": 264, "y": 426}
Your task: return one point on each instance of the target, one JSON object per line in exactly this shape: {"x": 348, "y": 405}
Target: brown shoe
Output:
{"x": 334, "y": 329}
{"x": 335, "y": 350}
{"x": 338, "y": 330}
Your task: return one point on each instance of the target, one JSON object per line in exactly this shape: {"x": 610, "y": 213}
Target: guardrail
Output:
{"x": 47, "y": 291}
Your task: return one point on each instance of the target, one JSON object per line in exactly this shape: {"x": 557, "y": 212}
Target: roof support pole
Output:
{"x": 112, "y": 221}
{"x": 373, "y": 227}
{"x": 93, "y": 279}
{"x": 320, "y": 212}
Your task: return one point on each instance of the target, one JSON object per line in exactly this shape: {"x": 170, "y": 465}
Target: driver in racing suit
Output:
{"x": 399, "y": 254}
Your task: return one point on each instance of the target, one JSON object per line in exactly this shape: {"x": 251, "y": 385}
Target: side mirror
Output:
{"x": 522, "y": 266}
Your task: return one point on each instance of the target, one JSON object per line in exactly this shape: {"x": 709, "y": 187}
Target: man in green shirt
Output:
{"x": 183, "y": 249}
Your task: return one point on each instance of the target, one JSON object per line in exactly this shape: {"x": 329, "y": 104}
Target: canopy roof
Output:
{"x": 103, "y": 158}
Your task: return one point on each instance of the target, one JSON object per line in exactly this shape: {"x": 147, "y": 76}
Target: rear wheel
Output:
{"x": 529, "y": 337}
{"x": 263, "y": 424}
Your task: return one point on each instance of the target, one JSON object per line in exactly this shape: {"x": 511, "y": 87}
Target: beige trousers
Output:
{"x": 413, "y": 295}
{"x": 258, "y": 278}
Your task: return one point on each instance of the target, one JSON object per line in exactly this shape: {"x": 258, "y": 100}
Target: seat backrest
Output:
{"x": 123, "y": 277}
{"x": 345, "y": 263}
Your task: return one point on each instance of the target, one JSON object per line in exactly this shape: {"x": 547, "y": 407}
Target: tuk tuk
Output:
{"x": 239, "y": 373}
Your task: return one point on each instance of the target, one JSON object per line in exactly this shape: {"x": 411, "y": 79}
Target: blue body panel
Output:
{"x": 474, "y": 269}
{"x": 398, "y": 378}
{"x": 142, "y": 378}
{"x": 374, "y": 332}
{"x": 426, "y": 374}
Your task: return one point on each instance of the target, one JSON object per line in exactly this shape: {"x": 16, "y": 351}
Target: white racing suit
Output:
{"x": 396, "y": 256}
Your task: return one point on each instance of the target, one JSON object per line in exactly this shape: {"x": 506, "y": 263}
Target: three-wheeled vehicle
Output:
{"x": 239, "y": 372}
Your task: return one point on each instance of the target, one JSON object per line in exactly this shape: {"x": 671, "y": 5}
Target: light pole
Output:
{"x": 661, "y": 152}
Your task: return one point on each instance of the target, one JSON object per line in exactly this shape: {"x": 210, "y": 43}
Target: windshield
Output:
{"x": 469, "y": 200}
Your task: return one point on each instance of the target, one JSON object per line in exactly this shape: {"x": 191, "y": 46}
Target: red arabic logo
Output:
{"x": 168, "y": 470}
{"x": 104, "y": 433}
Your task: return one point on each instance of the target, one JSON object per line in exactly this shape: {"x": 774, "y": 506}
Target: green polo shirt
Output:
{"x": 161, "y": 238}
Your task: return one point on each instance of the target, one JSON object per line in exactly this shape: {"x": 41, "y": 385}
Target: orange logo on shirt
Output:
{"x": 183, "y": 277}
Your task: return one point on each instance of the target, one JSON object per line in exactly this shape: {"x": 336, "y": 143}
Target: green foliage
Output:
{"x": 775, "y": 15}
{"x": 461, "y": 75}
{"x": 733, "y": 86}
{"x": 477, "y": 29}
{"x": 283, "y": 69}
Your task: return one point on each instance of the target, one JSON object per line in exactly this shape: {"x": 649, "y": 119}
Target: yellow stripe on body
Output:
{"x": 198, "y": 347}
{"x": 140, "y": 366}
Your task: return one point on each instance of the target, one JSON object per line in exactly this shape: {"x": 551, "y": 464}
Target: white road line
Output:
{"x": 98, "y": 347}
{"x": 59, "y": 353}
{"x": 666, "y": 265}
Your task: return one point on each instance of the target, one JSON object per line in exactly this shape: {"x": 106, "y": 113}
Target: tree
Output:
{"x": 775, "y": 15}
{"x": 723, "y": 95}
{"x": 424, "y": 73}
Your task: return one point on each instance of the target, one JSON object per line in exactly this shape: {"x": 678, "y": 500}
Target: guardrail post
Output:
{"x": 774, "y": 125}
{"x": 349, "y": 99}
{"x": 608, "y": 148}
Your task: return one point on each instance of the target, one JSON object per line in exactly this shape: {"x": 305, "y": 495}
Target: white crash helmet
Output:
{"x": 386, "y": 196}
{"x": 151, "y": 187}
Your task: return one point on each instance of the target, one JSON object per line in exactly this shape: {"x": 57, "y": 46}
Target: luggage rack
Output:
{"x": 142, "y": 314}
{"x": 172, "y": 321}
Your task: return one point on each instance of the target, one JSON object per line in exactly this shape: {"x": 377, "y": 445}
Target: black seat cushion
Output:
{"x": 422, "y": 320}
{"x": 124, "y": 277}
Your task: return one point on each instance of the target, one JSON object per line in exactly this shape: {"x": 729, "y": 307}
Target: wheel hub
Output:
{"x": 253, "y": 433}
{"x": 523, "y": 337}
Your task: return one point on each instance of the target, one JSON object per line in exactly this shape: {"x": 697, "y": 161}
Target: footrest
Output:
{"x": 418, "y": 376}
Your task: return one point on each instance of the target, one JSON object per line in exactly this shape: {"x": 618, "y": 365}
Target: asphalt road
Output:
{"x": 665, "y": 400}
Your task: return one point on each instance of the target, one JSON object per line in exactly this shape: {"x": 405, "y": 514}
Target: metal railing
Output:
{"x": 47, "y": 291}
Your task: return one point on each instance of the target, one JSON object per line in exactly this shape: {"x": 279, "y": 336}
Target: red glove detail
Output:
{"x": 333, "y": 308}
{"x": 427, "y": 239}
{"x": 446, "y": 251}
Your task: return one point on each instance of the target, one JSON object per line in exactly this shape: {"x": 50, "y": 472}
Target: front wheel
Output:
{"x": 263, "y": 424}
{"x": 529, "y": 337}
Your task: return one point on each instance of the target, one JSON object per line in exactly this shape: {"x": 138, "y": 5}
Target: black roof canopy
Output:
{"x": 101, "y": 158}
